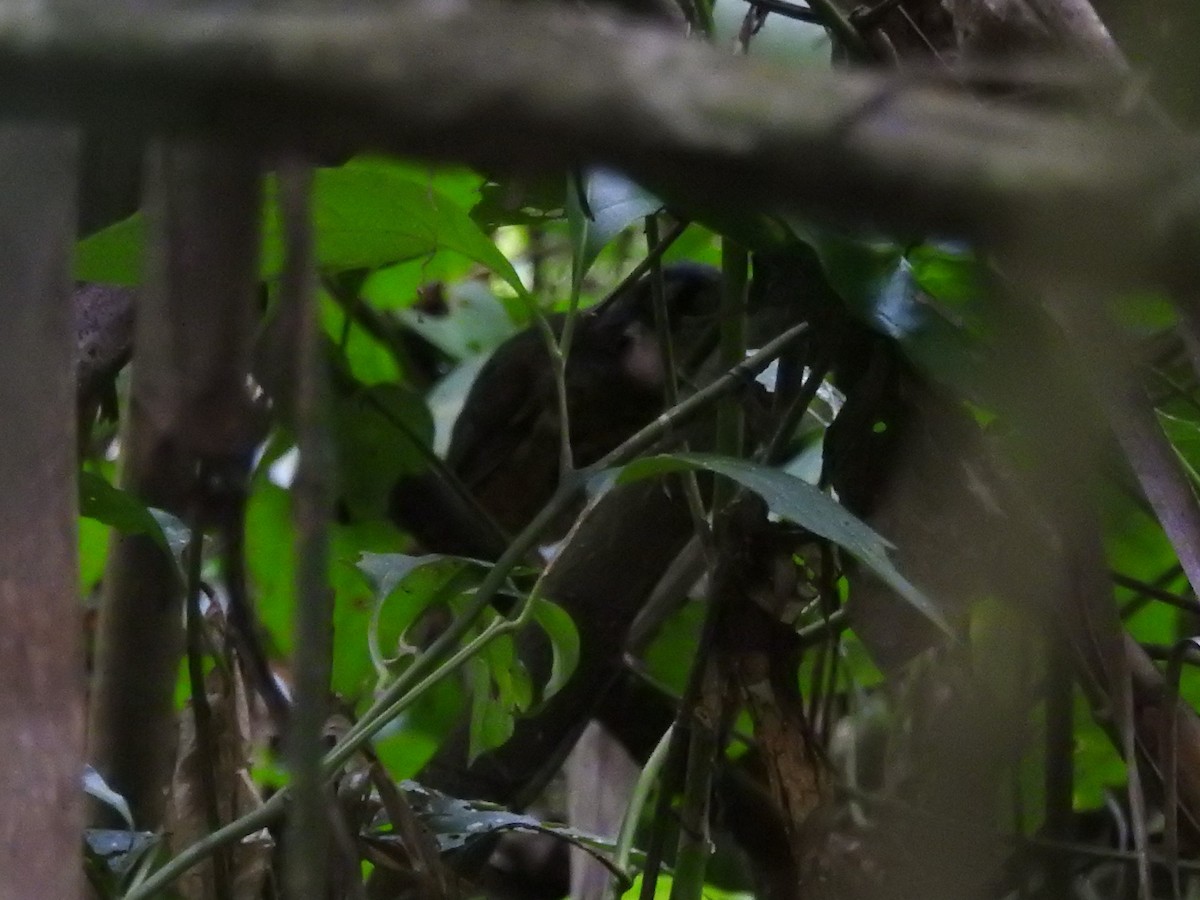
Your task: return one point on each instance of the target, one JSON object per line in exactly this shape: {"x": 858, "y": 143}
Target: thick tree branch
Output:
{"x": 522, "y": 88}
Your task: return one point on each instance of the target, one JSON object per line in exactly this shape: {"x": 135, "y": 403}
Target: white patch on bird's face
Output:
{"x": 642, "y": 360}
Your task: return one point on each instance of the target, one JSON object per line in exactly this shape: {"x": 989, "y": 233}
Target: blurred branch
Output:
{"x": 41, "y": 659}
{"x": 308, "y": 843}
{"x": 903, "y": 155}
{"x": 189, "y": 403}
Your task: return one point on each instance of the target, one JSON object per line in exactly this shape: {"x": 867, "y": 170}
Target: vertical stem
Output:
{"x": 308, "y": 841}
{"x": 1060, "y": 758}
{"x": 666, "y": 346}
{"x": 730, "y": 421}
{"x": 695, "y": 844}
{"x": 194, "y": 334}
{"x": 41, "y": 689}
{"x": 202, "y": 717}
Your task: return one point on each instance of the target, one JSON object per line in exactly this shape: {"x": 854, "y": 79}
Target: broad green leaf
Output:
{"x": 1098, "y": 766}
{"x": 400, "y": 286}
{"x": 500, "y": 691}
{"x": 411, "y": 741}
{"x": 112, "y": 506}
{"x": 800, "y": 502}
{"x": 114, "y": 254}
{"x": 369, "y": 362}
{"x": 665, "y": 884}
{"x": 513, "y": 688}
{"x": 457, "y": 183}
{"x": 492, "y": 721}
{"x": 696, "y": 244}
{"x": 364, "y": 215}
{"x": 270, "y": 559}
{"x": 927, "y": 298}
{"x": 387, "y": 571}
{"x": 175, "y": 532}
{"x": 374, "y": 430}
{"x": 949, "y": 274}
{"x": 668, "y": 658}
{"x": 613, "y": 204}
{"x": 404, "y": 588}
{"x": 105, "y": 503}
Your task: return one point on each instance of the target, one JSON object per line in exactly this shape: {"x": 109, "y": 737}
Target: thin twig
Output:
{"x": 666, "y": 348}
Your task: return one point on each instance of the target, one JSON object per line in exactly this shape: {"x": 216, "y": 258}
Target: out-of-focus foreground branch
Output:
{"x": 524, "y": 88}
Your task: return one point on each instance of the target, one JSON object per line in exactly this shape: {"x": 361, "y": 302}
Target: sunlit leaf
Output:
{"x": 367, "y": 360}
{"x": 270, "y": 559}
{"x": 365, "y": 215}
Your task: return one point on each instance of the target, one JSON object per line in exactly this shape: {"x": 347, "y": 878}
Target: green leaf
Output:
{"x": 365, "y": 215}
{"x": 114, "y": 254}
{"x": 1184, "y": 434}
{"x": 492, "y": 722}
{"x": 613, "y": 204}
{"x": 406, "y": 746}
{"x": 105, "y": 503}
{"x": 93, "y": 553}
{"x": 457, "y": 183}
{"x": 112, "y": 506}
{"x": 271, "y": 565}
{"x": 564, "y": 644}
{"x": 404, "y": 587}
{"x": 367, "y": 360}
{"x": 369, "y": 216}
{"x": 798, "y": 501}
{"x": 668, "y": 658}
{"x": 927, "y": 298}
{"x": 399, "y": 286}
{"x": 374, "y": 429}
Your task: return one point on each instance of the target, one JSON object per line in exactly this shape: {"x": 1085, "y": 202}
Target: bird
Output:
{"x": 505, "y": 446}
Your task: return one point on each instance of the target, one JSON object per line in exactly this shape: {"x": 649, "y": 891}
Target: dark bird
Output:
{"x": 505, "y": 446}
